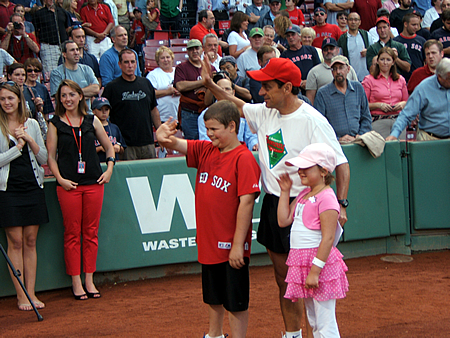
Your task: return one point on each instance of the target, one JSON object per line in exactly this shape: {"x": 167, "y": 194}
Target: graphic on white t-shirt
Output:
{"x": 276, "y": 148}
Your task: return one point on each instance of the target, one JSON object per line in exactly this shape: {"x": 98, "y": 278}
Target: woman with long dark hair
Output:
{"x": 72, "y": 133}
{"x": 22, "y": 199}
{"x": 237, "y": 39}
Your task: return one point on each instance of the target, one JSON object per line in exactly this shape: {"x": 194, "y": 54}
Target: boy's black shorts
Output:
{"x": 270, "y": 234}
{"x": 223, "y": 285}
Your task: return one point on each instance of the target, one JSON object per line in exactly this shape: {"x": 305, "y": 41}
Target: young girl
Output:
{"x": 316, "y": 269}
{"x": 151, "y": 19}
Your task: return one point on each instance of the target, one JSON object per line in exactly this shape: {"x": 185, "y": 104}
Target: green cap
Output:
{"x": 256, "y": 31}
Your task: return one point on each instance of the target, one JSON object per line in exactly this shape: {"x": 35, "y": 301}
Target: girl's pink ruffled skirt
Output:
{"x": 333, "y": 283}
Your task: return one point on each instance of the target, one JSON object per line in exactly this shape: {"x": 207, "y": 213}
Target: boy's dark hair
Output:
{"x": 224, "y": 112}
{"x": 341, "y": 13}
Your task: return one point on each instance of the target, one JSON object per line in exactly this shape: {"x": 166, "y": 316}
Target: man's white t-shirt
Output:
{"x": 282, "y": 137}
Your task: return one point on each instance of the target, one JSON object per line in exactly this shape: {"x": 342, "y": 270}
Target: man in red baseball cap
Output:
{"x": 403, "y": 61}
{"x": 285, "y": 125}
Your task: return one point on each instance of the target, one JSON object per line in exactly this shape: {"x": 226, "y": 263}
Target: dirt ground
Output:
{"x": 385, "y": 300}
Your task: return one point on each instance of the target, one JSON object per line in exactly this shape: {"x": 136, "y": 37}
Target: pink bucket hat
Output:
{"x": 315, "y": 154}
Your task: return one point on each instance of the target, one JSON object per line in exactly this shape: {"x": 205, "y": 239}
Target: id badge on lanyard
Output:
{"x": 81, "y": 164}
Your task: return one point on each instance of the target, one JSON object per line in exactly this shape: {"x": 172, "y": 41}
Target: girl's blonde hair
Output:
{"x": 282, "y": 23}
{"x": 22, "y": 111}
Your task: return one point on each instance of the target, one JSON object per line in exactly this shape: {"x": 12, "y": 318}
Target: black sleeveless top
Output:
{"x": 21, "y": 177}
{"x": 68, "y": 151}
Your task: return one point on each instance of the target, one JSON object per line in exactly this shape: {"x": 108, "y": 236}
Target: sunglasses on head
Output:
{"x": 9, "y": 83}
{"x": 76, "y": 27}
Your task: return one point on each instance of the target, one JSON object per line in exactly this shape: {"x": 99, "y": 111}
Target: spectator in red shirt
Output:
{"x": 434, "y": 52}
{"x": 17, "y": 42}
{"x": 367, "y": 10}
{"x": 99, "y": 15}
{"x": 6, "y": 10}
{"x": 205, "y": 26}
{"x": 323, "y": 29}
{"x": 295, "y": 14}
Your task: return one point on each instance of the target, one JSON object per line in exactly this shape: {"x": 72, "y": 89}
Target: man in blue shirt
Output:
{"x": 431, "y": 99}
{"x": 109, "y": 62}
{"x": 344, "y": 103}
{"x": 256, "y": 11}
{"x": 268, "y": 18}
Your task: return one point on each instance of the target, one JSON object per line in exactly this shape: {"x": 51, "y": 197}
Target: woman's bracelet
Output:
{"x": 317, "y": 262}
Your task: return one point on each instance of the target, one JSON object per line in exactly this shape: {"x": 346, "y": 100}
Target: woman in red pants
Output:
{"x": 75, "y": 164}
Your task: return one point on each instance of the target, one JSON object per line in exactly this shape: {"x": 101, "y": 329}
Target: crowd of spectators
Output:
{"x": 387, "y": 46}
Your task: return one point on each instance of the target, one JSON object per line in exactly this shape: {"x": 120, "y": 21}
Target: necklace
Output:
{"x": 311, "y": 194}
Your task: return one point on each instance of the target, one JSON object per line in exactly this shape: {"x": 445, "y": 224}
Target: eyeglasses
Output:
{"x": 342, "y": 18}
{"x": 32, "y": 70}
{"x": 320, "y": 14}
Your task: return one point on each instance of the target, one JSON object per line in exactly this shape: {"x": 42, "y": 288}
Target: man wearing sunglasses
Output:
{"x": 323, "y": 29}
{"x": 17, "y": 42}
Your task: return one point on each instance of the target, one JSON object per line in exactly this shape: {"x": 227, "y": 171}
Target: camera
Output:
{"x": 220, "y": 75}
{"x": 17, "y": 25}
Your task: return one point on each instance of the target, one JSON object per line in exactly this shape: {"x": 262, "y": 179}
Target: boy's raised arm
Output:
{"x": 165, "y": 136}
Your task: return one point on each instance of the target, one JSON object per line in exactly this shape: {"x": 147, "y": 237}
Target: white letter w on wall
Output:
{"x": 154, "y": 219}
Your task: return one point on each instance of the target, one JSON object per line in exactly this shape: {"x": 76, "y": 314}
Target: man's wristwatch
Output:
{"x": 343, "y": 202}
{"x": 111, "y": 159}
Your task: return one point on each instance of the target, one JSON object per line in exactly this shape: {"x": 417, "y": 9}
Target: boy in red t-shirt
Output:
{"x": 138, "y": 33}
{"x": 227, "y": 184}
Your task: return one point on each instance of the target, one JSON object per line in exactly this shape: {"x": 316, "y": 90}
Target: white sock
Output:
{"x": 208, "y": 336}
{"x": 297, "y": 334}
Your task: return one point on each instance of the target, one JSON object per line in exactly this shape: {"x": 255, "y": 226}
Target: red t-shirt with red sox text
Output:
{"x": 326, "y": 31}
{"x": 221, "y": 179}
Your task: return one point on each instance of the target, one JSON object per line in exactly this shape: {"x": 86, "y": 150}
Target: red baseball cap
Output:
{"x": 383, "y": 19}
{"x": 280, "y": 69}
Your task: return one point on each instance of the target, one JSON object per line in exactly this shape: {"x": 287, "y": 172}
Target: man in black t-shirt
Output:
{"x": 396, "y": 17}
{"x": 134, "y": 111}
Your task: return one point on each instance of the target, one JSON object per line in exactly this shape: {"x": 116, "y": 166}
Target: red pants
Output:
{"x": 81, "y": 209}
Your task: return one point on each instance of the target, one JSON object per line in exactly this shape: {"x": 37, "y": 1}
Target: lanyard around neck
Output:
{"x": 74, "y": 136}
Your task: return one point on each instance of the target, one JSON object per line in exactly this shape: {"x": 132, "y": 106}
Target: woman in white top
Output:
{"x": 22, "y": 198}
{"x": 237, "y": 40}
{"x": 432, "y": 14}
{"x": 167, "y": 96}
